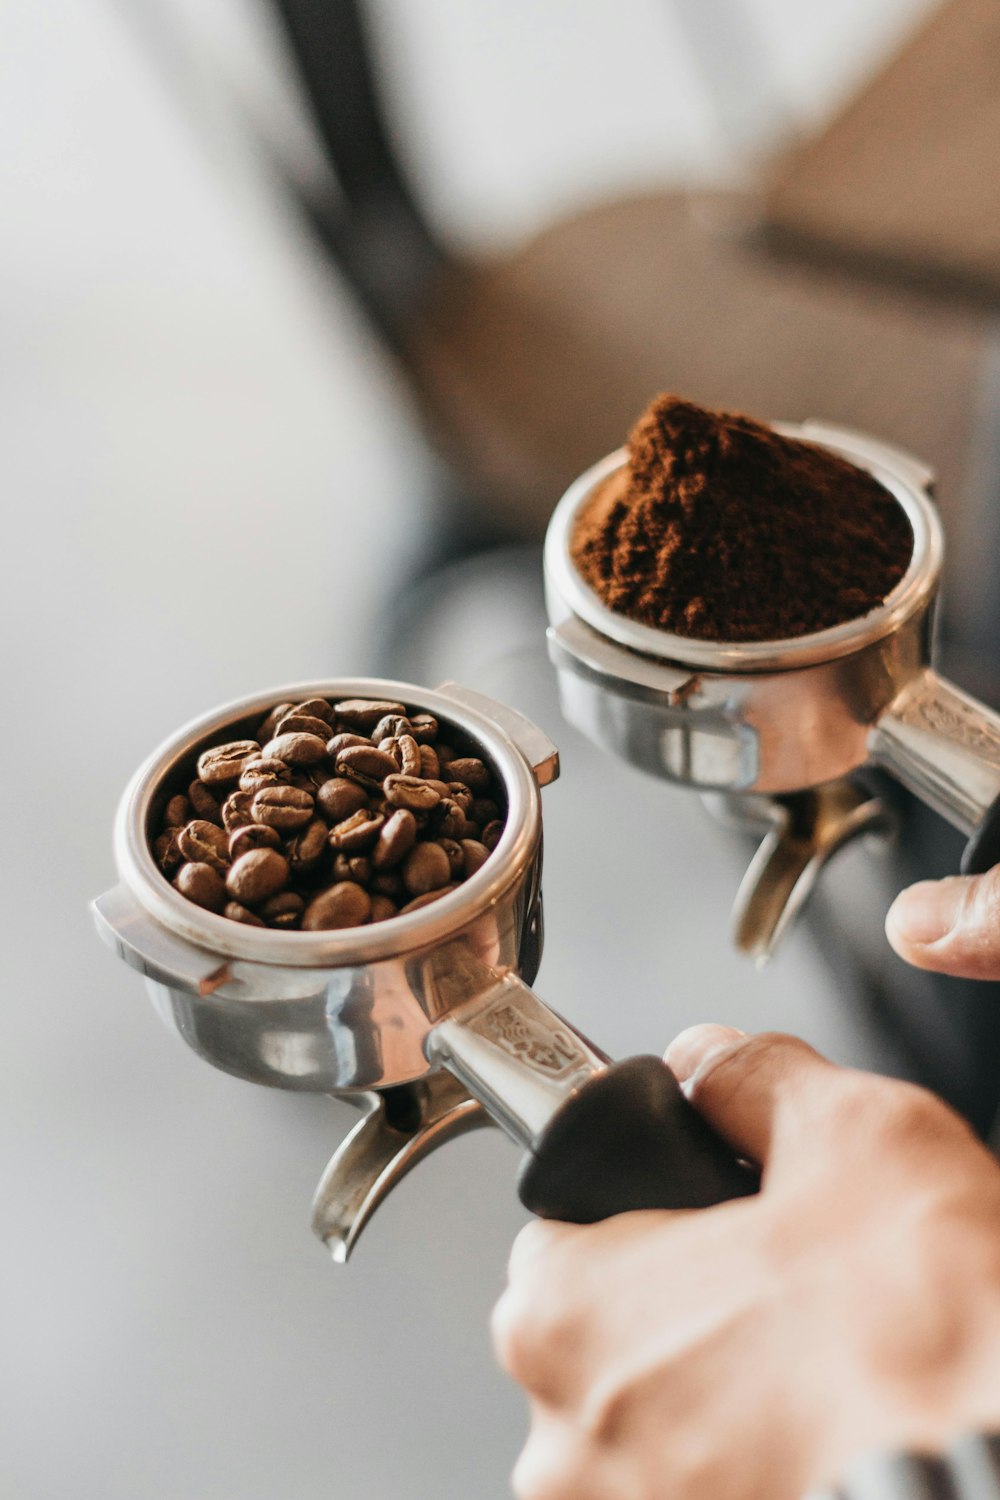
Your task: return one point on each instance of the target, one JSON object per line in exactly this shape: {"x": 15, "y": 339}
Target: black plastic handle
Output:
{"x": 982, "y": 851}
{"x": 628, "y": 1140}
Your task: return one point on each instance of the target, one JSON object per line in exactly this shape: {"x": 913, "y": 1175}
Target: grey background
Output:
{"x": 211, "y": 481}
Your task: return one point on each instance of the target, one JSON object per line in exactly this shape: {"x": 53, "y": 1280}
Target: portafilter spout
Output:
{"x": 766, "y": 722}
{"x": 425, "y": 1020}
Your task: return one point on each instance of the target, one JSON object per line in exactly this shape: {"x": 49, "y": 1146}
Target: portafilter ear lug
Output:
{"x": 150, "y": 948}
{"x": 538, "y": 750}
{"x": 807, "y": 829}
{"x": 401, "y": 1126}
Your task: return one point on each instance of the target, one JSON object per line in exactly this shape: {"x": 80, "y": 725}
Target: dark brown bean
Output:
{"x": 167, "y": 851}
{"x": 269, "y": 726}
{"x": 202, "y": 885}
{"x": 430, "y": 766}
{"x": 317, "y": 708}
{"x": 391, "y": 727}
{"x": 482, "y": 811}
{"x": 338, "y": 742}
{"x": 338, "y": 798}
{"x": 296, "y": 749}
{"x": 491, "y": 834}
{"x": 283, "y": 910}
{"x": 445, "y": 753}
{"x": 283, "y": 807}
{"x": 426, "y": 898}
{"x": 343, "y": 905}
{"x": 364, "y": 713}
{"x": 424, "y": 728}
{"x": 202, "y": 843}
{"x": 356, "y": 833}
{"x": 237, "y": 811}
{"x": 264, "y": 770}
{"x": 257, "y": 875}
{"x": 476, "y": 855}
{"x": 397, "y": 838}
{"x": 224, "y": 763}
{"x": 388, "y": 883}
{"x": 365, "y": 764}
{"x": 177, "y": 812}
{"x": 470, "y": 770}
{"x": 382, "y": 909}
{"x": 204, "y": 803}
{"x": 456, "y": 856}
{"x": 425, "y": 868}
{"x": 305, "y": 849}
{"x": 461, "y": 795}
{"x": 357, "y": 867}
{"x": 252, "y": 836}
{"x": 410, "y": 761}
{"x": 297, "y": 722}
{"x": 448, "y": 820}
{"x": 410, "y": 792}
{"x": 237, "y": 913}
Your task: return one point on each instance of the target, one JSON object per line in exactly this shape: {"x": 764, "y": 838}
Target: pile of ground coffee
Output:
{"x": 332, "y": 815}
{"x": 722, "y": 530}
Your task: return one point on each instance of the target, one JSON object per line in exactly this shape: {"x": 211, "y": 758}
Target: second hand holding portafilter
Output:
{"x": 425, "y": 1021}
{"x": 772, "y": 732}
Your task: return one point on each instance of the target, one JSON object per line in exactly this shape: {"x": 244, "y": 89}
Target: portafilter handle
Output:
{"x": 944, "y": 746}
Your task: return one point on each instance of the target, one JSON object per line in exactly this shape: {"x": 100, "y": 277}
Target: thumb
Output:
{"x": 951, "y": 926}
{"x": 753, "y": 1089}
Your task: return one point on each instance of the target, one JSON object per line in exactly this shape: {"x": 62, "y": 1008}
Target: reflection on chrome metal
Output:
{"x": 777, "y": 718}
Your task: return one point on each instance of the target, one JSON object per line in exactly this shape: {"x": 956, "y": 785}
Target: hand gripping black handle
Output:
{"x": 629, "y": 1139}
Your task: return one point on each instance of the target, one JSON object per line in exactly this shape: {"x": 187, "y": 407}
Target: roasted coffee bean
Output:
{"x": 224, "y": 763}
{"x": 460, "y": 794}
{"x": 388, "y": 883}
{"x": 339, "y": 798}
{"x": 364, "y": 713}
{"x": 296, "y": 749}
{"x": 343, "y": 905}
{"x": 390, "y": 747}
{"x": 305, "y": 849}
{"x": 237, "y": 811}
{"x": 356, "y": 833}
{"x": 313, "y": 777}
{"x": 410, "y": 762}
{"x": 448, "y": 820}
{"x": 283, "y": 910}
{"x": 299, "y": 723}
{"x": 365, "y": 764}
{"x": 338, "y": 742}
{"x": 491, "y": 834}
{"x": 391, "y": 727}
{"x": 410, "y": 792}
{"x": 317, "y": 708}
{"x": 445, "y": 753}
{"x": 475, "y": 855}
{"x": 237, "y": 913}
{"x": 252, "y": 836}
{"x": 167, "y": 851}
{"x": 424, "y": 728}
{"x": 469, "y": 830}
{"x": 204, "y": 803}
{"x": 397, "y": 838}
{"x": 456, "y": 856}
{"x": 470, "y": 770}
{"x": 264, "y": 770}
{"x": 430, "y": 766}
{"x": 257, "y": 875}
{"x": 483, "y": 811}
{"x": 382, "y": 909}
{"x": 426, "y": 898}
{"x": 441, "y": 787}
{"x": 425, "y": 868}
{"x": 177, "y": 812}
{"x": 283, "y": 807}
{"x": 203, "y": 843}
{"x": 202, "y": 884}
{"x": 269, "y": 727}
{"x": 357, "y": 867}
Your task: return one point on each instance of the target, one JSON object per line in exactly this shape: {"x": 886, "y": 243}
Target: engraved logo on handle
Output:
{"x": 507, "y": 1027}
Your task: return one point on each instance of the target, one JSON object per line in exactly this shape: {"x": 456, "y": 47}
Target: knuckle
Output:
{"x": 532, "y": 1335}
{"x": 899, "y": 1118}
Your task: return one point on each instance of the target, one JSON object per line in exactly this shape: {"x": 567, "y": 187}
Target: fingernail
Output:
{"x": 927, "y": 912}
{"x": 689, "y": 1051}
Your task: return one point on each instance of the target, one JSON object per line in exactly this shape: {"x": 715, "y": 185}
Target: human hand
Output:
{"x": 749, "y": 1351}
{"x": 952, "y": 925}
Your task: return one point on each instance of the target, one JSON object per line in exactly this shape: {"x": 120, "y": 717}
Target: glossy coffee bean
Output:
{"x": 269, "y": 727}
{"x": 475, "y": 856}
{"x": 424, "y": 728}
{"x": 356, "y": 833}
{"x": 338, "y": 798}
{"x": 410, "y": 792}
{"x": 264, "y": 770}
{"x": 317, "y": 708}
{"x": 455, "y": 855}
{"x": 305, "y": 849}
{"x": 296, "y": 749}
{"x": 257, "y": 875}
{"x": 224, "y": 763}
{"x": 430, "y": 766}
{"x": 364, "y": 713}
{"x": 237, "y": 811}
{"x": 383, "y": 909}
{"x": 425, "y": 869}
{"x": 391, "y": 727}
{"x": 177, "y": 812}
{"x": 202, "y": 884}
{"x": 426, "y": 898}
{"x": 491, "y": 834}
{"x": 343, "y": 905}
{"x": 471, "y": 771}
{"x": 283, "y": 807}
{"x": 203, "y": 803}
{"x": 365, "y": 764}
{"x": 356, "y": 867}
{"x": 283, "y": 910}
{"x": 297, "y": 722}
{"x": 167, "y": 851}
{"x": 252, "y": 836}
{"x": 237, "y": 913}
{"x": 202, "y": 843}
{"x": 396, "y": 839}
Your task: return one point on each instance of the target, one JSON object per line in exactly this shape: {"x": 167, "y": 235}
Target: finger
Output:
{"x": 558, "y": 1462}
{"x": 753, "y": 1089}
{"x": 536, "y": 1238}
{"x": 951, "y": 926}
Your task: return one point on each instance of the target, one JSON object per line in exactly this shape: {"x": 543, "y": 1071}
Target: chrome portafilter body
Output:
{"x": 762, "y": 725}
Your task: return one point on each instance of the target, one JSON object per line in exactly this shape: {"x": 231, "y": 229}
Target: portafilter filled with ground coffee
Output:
{"x": 335, "y": 887}
{"x": 746, "y": 609}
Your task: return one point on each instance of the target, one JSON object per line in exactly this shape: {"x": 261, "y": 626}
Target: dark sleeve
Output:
{"x": 969, "y": 1471}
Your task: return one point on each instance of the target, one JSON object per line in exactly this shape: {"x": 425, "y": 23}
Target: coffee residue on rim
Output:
{"x": 720, "y": 529}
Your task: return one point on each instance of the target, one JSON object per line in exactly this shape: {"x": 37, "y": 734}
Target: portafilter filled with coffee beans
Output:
{"x": 335, "y": 887}
{"x": 771, "y": 731}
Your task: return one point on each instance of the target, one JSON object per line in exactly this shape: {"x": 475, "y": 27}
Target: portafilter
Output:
{"x": 424, "y": 1021}
{"x": 771, "y": 732}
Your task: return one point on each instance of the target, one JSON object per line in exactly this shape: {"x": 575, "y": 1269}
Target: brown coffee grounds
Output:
{"x": 720, "y": 529}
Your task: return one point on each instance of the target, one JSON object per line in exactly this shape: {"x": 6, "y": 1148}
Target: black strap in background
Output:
{"x": 969, "y": 1471}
